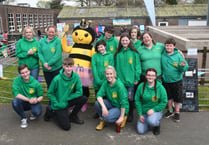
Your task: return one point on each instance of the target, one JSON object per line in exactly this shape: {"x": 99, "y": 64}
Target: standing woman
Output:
{"x": 150, "y": 99}
{"x": 27, "y": 51}
{"x": 50, "y": 54}
{"x": 114, "y": 108}
{"x": 128, "y": 68}
{"x": 135, "y": 34}
{"x": 150, "y": 53}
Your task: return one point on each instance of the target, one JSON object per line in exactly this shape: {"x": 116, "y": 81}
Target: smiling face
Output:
{"x": 169, "y": 48}
{"x": 81, "y": 36}
{"x": 51, "y": 32}
{"x": 110, "y": 75}
{"x": 101, "y": 49}
{"x": 147, "y": 39}
{"x": 151, "y": 76}
{"x": 25, "y": 74}
{"x": 134, "y": 33}
{"x": 28, "y": 34}
{"x": 68, "y": 70}
{"x": 125, "y": 42}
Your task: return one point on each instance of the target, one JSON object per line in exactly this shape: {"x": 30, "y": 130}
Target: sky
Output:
{"x": 31, "y": 2}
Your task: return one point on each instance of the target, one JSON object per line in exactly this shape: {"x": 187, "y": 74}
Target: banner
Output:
{"x": 151, "y": 10}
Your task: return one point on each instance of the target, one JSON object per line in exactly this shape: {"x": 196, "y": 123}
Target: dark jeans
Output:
{"x": 62, "y": 116}
{"x": 20, "y": 106}
{"x": 50, "y": 75}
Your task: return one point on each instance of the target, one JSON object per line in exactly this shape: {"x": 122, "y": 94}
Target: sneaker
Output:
{"x": 101, "y": 125}
{"x": 32, "y": 117}
{"x": 176, "y": 117}
{"x": 24, "y": 123}
{"x": 75, "y": 119}
{"x": 168, "y": 114}
{"x": 84, "y": 107}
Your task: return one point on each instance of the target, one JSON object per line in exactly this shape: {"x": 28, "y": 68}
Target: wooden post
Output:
{"x": 204, "y": 58}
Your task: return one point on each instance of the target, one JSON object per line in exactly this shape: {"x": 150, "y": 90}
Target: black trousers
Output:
{"x": 62, "y": 116}
{"x": 50, "y": 75}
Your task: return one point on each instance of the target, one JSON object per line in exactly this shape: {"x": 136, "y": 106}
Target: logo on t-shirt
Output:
{"x": 130, "y": 60}
{"x": 111, "y": 48}
{"x": 106, "y": 63}
{"x": 34, "y": 49}
{"x": 31, "y": 90}
{"x": 72, "y": 86}
{"x": 114, "y": 94}
{"x": 175, "y": 63}
{"x": 154, "y": 98}
{"x": 52, "y": 49}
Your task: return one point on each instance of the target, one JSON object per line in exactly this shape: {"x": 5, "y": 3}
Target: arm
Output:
{"x": 122, "y": 114}
{"x": 18, "y": 52}
{"x": 183, "y": 65}
{"x": 52, "y": 94}
{"x": 94, "y": 69}
{"x": 104, "y": 108}
{"x": 78, "y": 90}
{"x": 40, "y": 53}
{"x": 138, "y": 102}
{"x": 66, "y": 48}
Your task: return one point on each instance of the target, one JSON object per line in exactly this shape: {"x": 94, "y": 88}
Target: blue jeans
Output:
{"x": 20, "y": 106}
{"x": 114, "y": 112}
{"x": 151, "y": 120}
{"x": 35, "y": 72}
{"x": 130, "y": 91}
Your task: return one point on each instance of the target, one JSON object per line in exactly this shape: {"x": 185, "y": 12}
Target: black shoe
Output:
{"x": 176, "y": 117}
{"x": 130, "y": 118}
{"x": 96, "y": 115}
{"x": 156, "y": 130}
{"x": 75, "y": 119}
{"x": 168, "y": 114}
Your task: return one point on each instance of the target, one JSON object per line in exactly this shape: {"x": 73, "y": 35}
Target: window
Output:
{"x": 48, "y": 20}
{"x": 52, "y": 20}
{"x": 36, "y": 20}
{"x": 31, "y": 20}
{"x": 25, "y": 20}
{"x": 40, "y": 21}
{"x": 44, "y": 18}
{"x": 19, "y": 22}
{"x": 162, "y": 23}
{"x": 11, "y": 22}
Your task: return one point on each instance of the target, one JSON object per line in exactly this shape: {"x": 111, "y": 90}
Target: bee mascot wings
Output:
{"x": 81, "y": 51}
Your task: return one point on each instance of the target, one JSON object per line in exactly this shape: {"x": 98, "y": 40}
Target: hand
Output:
{"x": 135, "y": 83}
{"x": 150, "y": 112}
{"x": 47, "y": 67}
{"x": 182, "y": 63}
{"x": 141, "y": 118}
{"x": 105, "y": 112}
{"x": 33, "y": 101}
{"x": 119, "y": 120}
{"x": 30, "y": 52}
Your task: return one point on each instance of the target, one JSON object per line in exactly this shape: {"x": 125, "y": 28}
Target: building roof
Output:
{"x": 112, "y": 12}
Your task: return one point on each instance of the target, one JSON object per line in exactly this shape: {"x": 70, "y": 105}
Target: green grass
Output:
{"x": 10, "y": 73}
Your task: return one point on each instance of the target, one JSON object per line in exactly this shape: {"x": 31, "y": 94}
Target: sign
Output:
{"x": 1, "y": 70}
{"x": 119, "y": 22}
{"x": 60, "y": 29}
{"x": 192, "y": 51}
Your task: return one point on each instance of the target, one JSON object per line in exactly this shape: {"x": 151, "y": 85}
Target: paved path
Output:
{"x": 192, "y": 130}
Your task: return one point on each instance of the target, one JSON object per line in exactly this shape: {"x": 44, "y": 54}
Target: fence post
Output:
{"x": 204, "y": 58}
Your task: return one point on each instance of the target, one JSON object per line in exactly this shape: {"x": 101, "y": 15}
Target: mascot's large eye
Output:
{"x": 76, "y": 33}
{"x": 86, "y": 35}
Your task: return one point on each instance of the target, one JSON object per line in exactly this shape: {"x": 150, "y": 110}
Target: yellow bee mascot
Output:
{"x": 82, "y": 51}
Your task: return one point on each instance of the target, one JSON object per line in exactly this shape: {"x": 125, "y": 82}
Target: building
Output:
{"x": 13, "y": 19}
{"x": 167, "y": 15}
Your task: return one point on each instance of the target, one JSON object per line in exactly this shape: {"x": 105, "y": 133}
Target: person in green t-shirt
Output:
{"x": 135, "y": 34}
{"x": 64, "y": 93}
{"x": 28, "y": 95}
{"x": 150, "y": 100}
{"x": 173, "y": 66}
{"x": 115, "y": 107}
{"x": 27, "y": 51}
{"x": 128, "y": 68}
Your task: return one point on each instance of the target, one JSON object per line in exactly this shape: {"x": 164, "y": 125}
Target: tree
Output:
{"x": 55, "y": 4}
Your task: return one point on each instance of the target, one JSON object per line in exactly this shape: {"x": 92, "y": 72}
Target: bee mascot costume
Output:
{"x": 81, "y": 51}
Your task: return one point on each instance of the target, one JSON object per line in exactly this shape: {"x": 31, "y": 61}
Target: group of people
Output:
{"x": 126, "y": 75}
